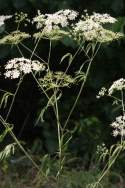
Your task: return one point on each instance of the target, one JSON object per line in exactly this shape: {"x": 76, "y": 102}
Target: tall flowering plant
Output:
{"x": 89, "y": 32}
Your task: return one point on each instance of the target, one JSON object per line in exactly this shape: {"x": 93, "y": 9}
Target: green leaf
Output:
{"x": 2, "y": 136}
{"x": 8, "y": 150}
{"x": 68, "y": 55}
{"x": 4, "y": 99}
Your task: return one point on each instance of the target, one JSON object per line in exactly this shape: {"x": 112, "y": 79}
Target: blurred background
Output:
{"x": 90, "y": 121}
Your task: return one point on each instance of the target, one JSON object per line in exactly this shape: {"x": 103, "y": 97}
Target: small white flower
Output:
{"x": 118, "y": 85}
{"x": 15, "y": 74}
{"x": 37, "y": 66}
{"x": 49, "y": 22}
{"x": 119, "y": 126}
{"x": 15, "y": 67}
{"x": 72, "y": 15}
{"x": 115, "y": 133}
{"x": 12, "y": 74}
{"x": 25, "y": 68}
{"x": 7, "y": 74}
{"x": 87, "y": 25}
{"x": 65, "y": 12}
{"x": 101, "y": 92}
{"x": 102, "y": 18}
{"x": 115, "y": 125}
{"x": 9, "y": 66}
{"x": 90, "y": 28}
{"x": 3, "y": 18}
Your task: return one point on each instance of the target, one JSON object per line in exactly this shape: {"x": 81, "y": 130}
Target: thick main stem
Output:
{"x": 59, "y": 135}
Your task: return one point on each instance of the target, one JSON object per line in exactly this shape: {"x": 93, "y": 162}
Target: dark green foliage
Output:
{"x": 89, "y": 124}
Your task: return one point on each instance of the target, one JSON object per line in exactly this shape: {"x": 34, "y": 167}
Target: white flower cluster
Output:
{"x": 88, "y": 28}
{"x": 17, "y": 66}
{"x": 118, "y": 85}
{"x": 50, "y": 22}
{"x": 3, "y": 18}
{"x": 101, "y": 92}
{"x": 102, "y": 18}
{"x": 119, "y": 126}
{"x": 101, "y": 149}
{"x": 87, "y": 25}
{"x": 91, "y": 28}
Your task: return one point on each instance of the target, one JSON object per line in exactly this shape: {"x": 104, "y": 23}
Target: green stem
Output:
{"x": 82, "y": 86}
{"x": 59, "y": 137}
{"x": 108, "y": 168}
{"x": 14, "y": 96}
{"x": 5, "y": 124}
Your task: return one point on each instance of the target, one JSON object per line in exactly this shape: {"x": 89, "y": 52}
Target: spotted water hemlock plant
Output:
{"x": 88, "y": 32}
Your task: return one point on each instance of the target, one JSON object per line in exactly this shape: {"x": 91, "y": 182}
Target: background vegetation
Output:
{"x": 90, "y": 121}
